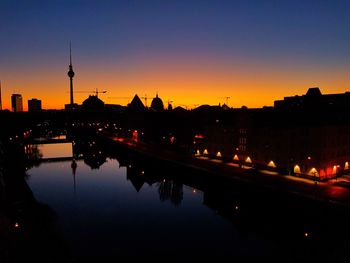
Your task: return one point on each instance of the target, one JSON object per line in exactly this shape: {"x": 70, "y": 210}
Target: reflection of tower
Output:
{"x": 71, "y": 75}
{"x": 74, "y": 168}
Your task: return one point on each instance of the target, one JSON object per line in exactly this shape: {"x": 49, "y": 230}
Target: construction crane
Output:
{"x": 226, "y": 99}
{"x": 96, "y": 92}
{"x": 121, "y": 98}
{"x": 145, "y": 98}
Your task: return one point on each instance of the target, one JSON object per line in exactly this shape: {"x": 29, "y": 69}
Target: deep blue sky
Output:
{"x": 309, "y": 35}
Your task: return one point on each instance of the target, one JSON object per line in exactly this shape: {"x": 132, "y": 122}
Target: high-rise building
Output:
{"x": 34, "y": 105}
{"x": 16, "y": 102}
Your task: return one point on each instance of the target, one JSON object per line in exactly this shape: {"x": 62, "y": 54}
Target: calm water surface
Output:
{"x": 114, "y": 211}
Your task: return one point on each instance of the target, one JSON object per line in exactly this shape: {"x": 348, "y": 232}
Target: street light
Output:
{"x": 314, "y": 172}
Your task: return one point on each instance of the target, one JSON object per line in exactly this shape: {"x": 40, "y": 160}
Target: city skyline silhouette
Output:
{"x": 178, "y": 129}
{"x": 254, "y": 52}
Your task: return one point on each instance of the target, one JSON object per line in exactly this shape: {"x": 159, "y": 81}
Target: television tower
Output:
{"x": 71, "y": 74}
{"x": 0, "y": 97}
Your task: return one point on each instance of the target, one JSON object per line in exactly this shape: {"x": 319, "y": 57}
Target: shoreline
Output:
{"x": 325, "y": 192}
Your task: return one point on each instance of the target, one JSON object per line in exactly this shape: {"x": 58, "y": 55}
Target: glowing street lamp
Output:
{"x": 314, "y": 172}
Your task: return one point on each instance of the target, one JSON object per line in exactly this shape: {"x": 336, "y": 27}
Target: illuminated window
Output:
{"x": 242, "y": 131}
{"x": 242, "y": 147}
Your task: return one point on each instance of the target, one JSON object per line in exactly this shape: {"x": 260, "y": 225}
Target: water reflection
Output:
{"x": 28, "y": 228}
{"x": 89, "y": 151}
{"x": 170, "y": 190}
{"x": 74, "y": 170}
{"x": 92, "y": 154}
{"x": 33, "y": 155}
{"x": 127, "y": 199}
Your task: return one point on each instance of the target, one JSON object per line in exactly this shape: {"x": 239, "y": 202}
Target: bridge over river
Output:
{"x": 54, "y": 149}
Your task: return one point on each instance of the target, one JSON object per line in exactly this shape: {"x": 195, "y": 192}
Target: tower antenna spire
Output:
{"x": 71, "y": 75}
{"x": 70, "y": 53}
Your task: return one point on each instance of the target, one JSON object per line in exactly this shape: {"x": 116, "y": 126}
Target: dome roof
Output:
{"x": 157, "y": 104}
{"x": 93, "y": 103}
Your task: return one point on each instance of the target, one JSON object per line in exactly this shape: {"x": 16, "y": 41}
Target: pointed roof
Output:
{"x": 225, "y": 107}
{"x": 313, "y": 92}
{"x": 136, "y": 103}
{"x": 137, "y": 183}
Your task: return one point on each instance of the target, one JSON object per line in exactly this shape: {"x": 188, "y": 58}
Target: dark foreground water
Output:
{"x": 101, "y": 208}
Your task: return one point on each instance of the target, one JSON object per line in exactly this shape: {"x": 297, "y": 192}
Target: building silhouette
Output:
{"x": 16, "y": 103}
{"x": 34, "y": 105}
{"x": 136, "y": 104}
{"x": 93, "y": 104}
{"x": 305, "y": 135}
{"x": 313, "y": 100}
{"x": 157, "y": 104}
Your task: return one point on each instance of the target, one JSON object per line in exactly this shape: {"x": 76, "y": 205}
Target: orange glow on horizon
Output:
{"x": 186, "y": 82}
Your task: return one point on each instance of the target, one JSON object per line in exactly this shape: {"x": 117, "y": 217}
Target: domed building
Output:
{"x": 93, "y": 104}
{"x": 157, "y": 104}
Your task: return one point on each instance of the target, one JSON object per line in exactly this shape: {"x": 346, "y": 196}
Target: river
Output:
{"x": 107, "y": 208}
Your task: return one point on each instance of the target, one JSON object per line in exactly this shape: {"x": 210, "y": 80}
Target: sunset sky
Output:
{"x": 189, "y": 51}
